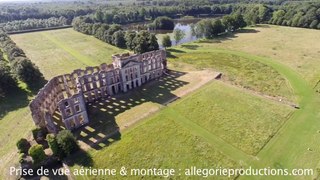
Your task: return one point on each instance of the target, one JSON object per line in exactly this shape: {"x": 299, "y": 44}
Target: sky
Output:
{"x": 17, "y": 0}
{"x": 12, "y": 0}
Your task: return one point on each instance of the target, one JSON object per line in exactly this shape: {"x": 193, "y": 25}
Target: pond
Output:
{"x": 184, "y": 24}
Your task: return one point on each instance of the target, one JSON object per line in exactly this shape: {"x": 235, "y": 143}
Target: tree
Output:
{"x": 37, "y": 154}
{"x": 23, "y": 145}
{"x": 164, "y": 23}
{"x": 145, "y": 41}
{"x": 98, "y": 16}
{"x": 264, "y": 13}
{"x": 252, "y": 15}
{"x": 314, "y": 24}
{"x": 119, "y": 39}
{"x": 166, "y": 41}
{"x": 152, "y": 42}
{"x": 7, "y": 81}
{"x": 112, "y": 29}
{"x": 217, "y": 27}
{"x": 239, "y": 21}
{"x": 129, "y": 37}
{"x": 178, "y": 35}
{"x": 204, "y": 28}
{"x": 228, "y": 22}
{"x": 54, "y": 146}
{"x": 67, "y": 142}
{"x": 27, "y": 71}
{"x": 108, "y": 18}
{"x": 278, "y": 17}
{"x": 140, "y": 42}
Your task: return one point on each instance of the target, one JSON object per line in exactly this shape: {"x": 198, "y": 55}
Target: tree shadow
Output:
{"x": 247, "y": 31}
{"x": 13, "y": 100}
{"x": 175, "y": 51}
{"x": 189, "y": 46}
{"x": 34, "y": 88}
{"x": 263, "y": 25}
{"x": 81, "y": 158}
{"x": 227, "y": 36}
{"x": 170, "y": 51}
{"x": 52, "y": 164}
{"x": 103, "y": 129}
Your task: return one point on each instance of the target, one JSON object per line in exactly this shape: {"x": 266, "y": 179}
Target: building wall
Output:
{"x": 69, "y": 93}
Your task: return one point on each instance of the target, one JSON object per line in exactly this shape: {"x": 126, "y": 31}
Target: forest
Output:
{"x": 16, "y": 17}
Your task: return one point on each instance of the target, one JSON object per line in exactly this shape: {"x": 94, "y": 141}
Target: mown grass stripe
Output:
{"x": 83, "y": 59}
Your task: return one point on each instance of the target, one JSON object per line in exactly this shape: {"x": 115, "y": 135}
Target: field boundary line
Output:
{"x": 221, "y": 145}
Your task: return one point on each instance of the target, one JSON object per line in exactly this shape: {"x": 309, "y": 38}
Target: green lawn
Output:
{"x": 297, "y": 48}
{"x": 159, "y": 142}
{"x": 238, "y": 70}
{"x": 246, "y": 121}
{"x": 297, "y": 142}
{"x": 194, "y": 130}
{"x": 61, "y": 51}
{"x": 55, "y": 52}
{"x": 219, "y": 125}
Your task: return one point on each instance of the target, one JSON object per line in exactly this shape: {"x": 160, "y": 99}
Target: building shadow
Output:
{"x": 103, "y": 129}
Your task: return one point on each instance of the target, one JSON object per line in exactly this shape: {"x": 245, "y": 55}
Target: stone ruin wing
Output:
{"x": 69, "y": 93}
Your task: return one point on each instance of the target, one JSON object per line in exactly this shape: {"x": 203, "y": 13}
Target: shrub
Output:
{"x": 67, "y": 142}
{"x": 39, "y": 134}
{"x": 54, "y": 146}
{"x": 21, "y": 157}
{"x": 23, "y": 145}
{"x": 166, "y": 41}
{"x": 37, "y": 154}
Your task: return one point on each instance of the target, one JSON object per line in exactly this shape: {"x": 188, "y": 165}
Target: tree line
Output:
{"x": 31, "y": 10}
{"x": 298, "y": 15}
{"x": 138, "y": 14}
{"x": 210, "y": 28}
{"x": 139, "y": 42}
{"x": 20, "y": 25}
{"x": 19, "y": 65}
{"x": 7, "y": 79}
{"x": 304, "y": 14}
{"x": 24, "y": 16}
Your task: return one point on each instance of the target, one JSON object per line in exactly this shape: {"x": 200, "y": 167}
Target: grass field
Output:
{"x": 237, "y": 69}
{"x": 296, "y": 143}
{"x": 297, "y": 48}
{"x": 219, "y": 125}
{"x": 241, "y": 119}
{"x": 55, "y": 52}
{"x": 62, "y": 51}
{"x": 15, "y": 115}
{"x": 195, "y": 129}
{"x": 160, "y": 142}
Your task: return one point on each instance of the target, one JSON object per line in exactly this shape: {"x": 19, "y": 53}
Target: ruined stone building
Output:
{"x": 69, "y": 93}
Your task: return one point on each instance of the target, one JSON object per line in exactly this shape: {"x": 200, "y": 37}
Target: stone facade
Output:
{"x": 69, "y": 93}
